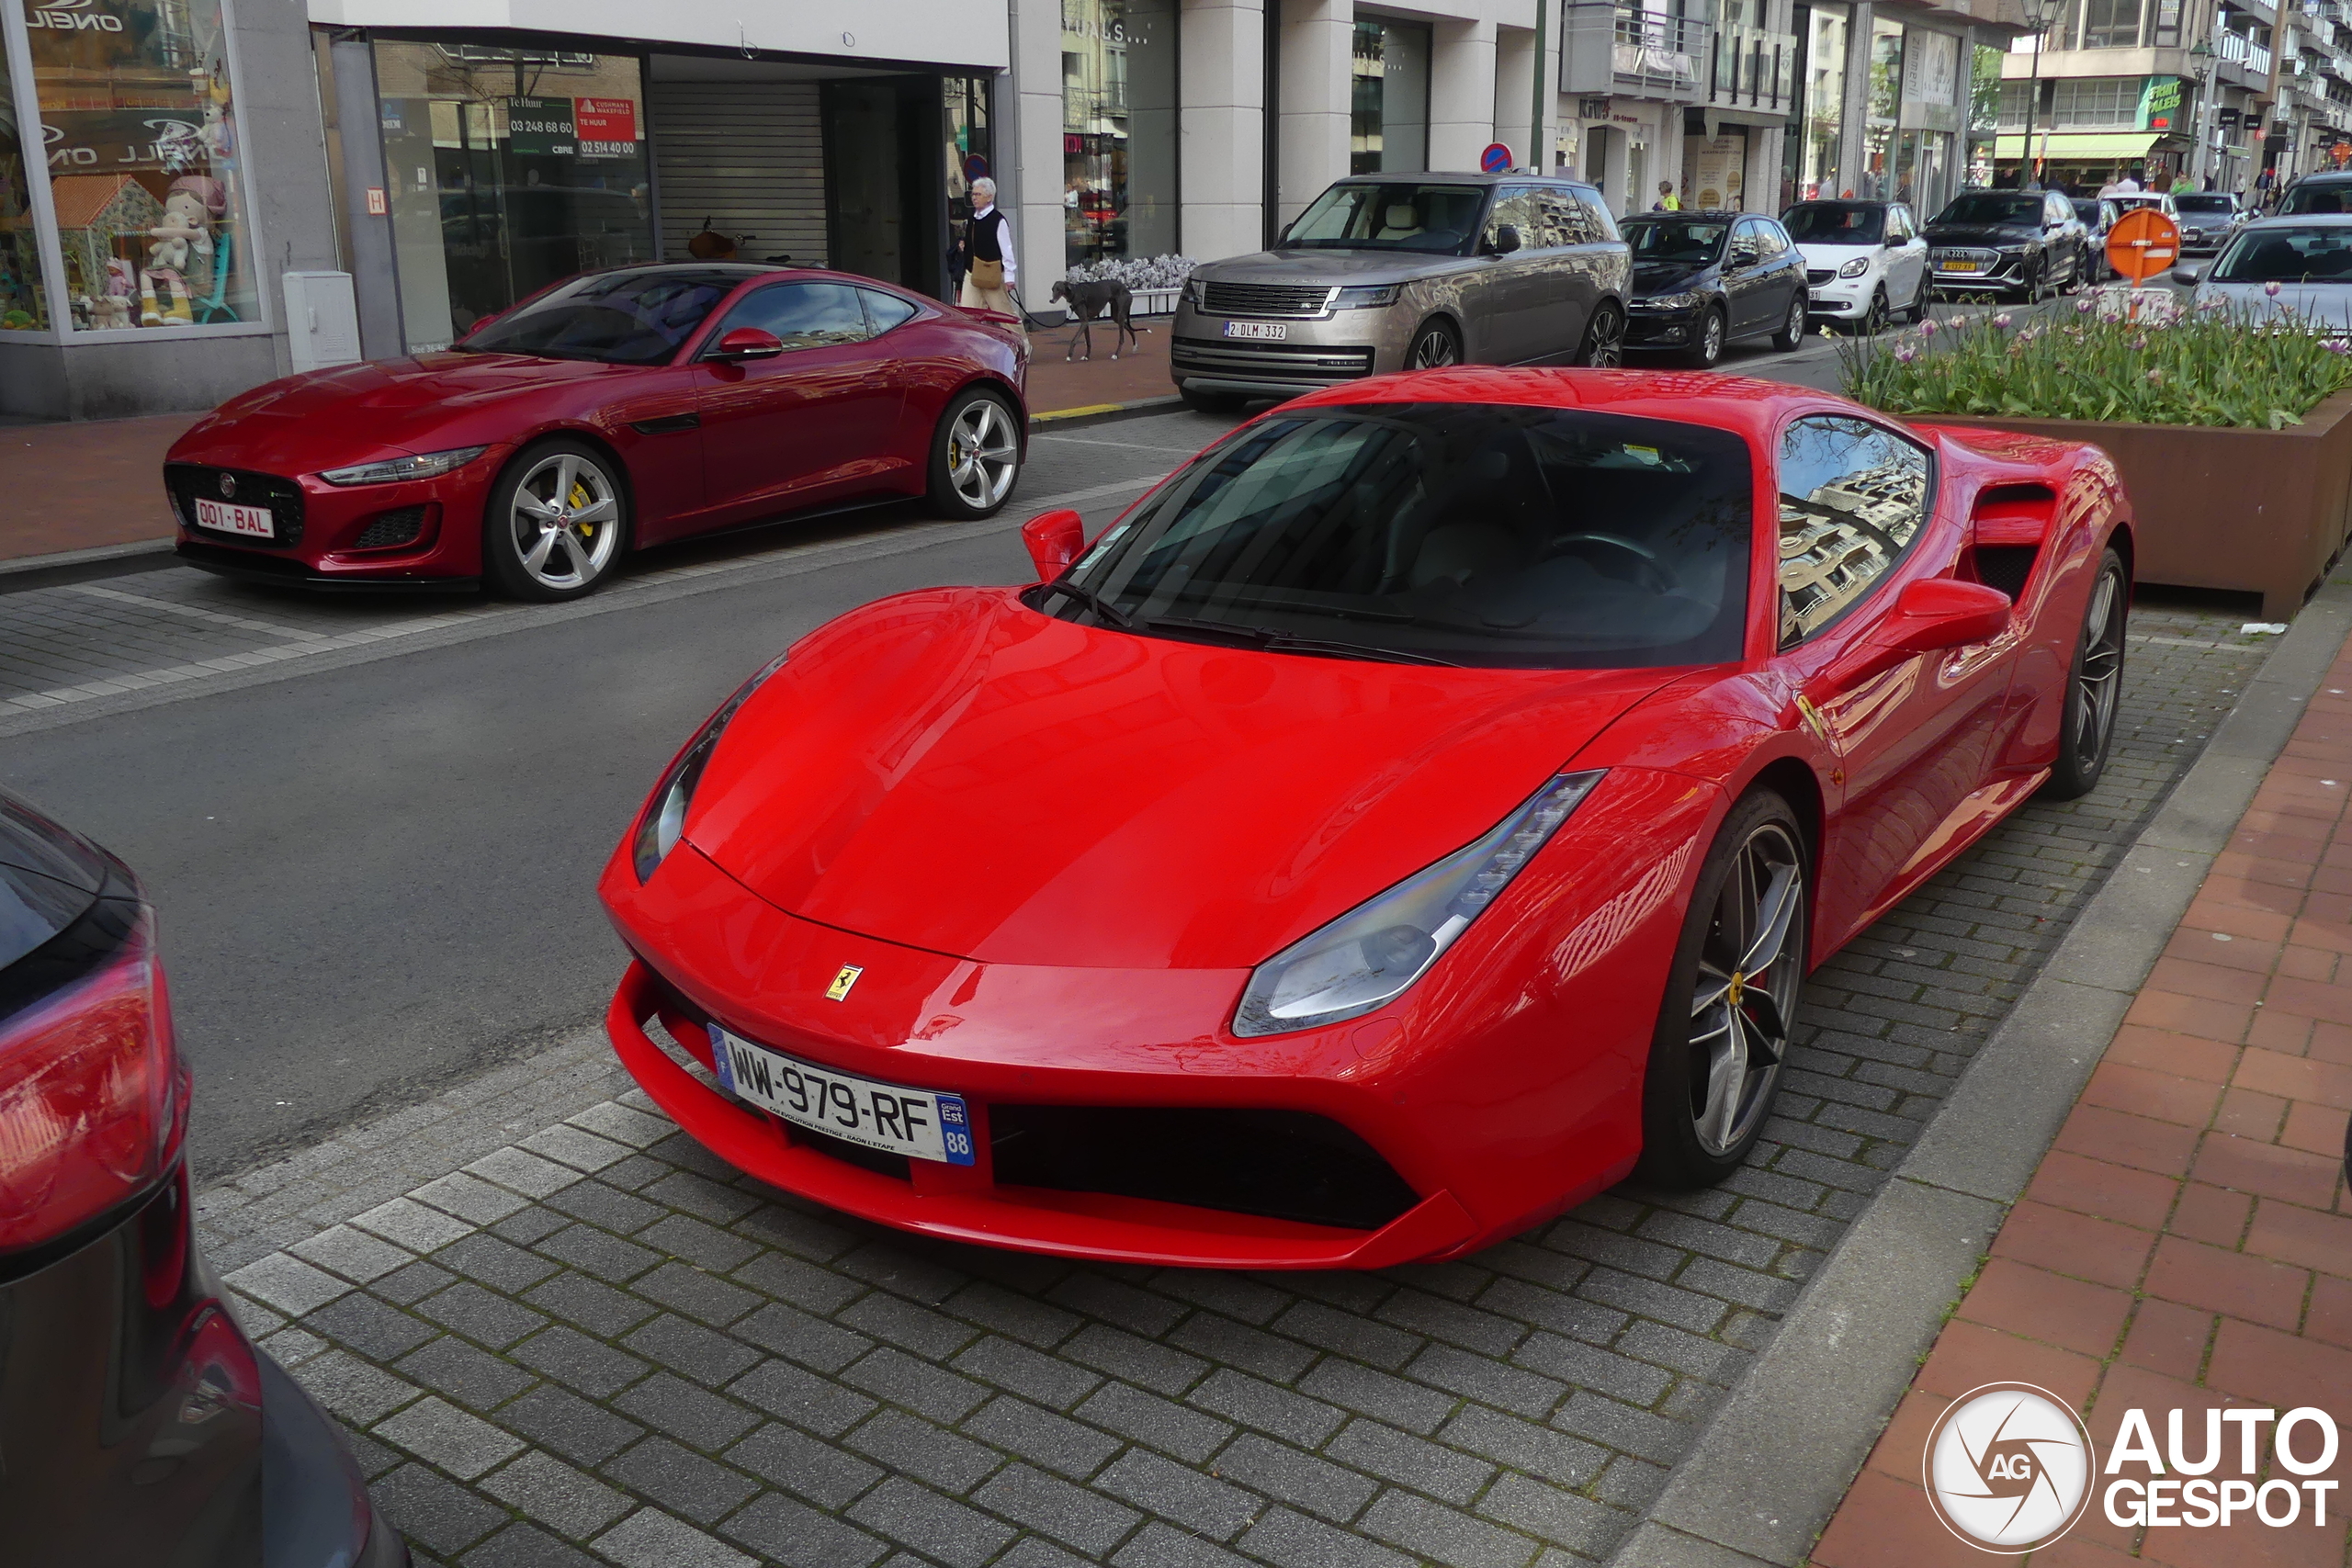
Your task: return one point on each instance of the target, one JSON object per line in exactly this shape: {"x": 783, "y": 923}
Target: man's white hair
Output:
{"x": 984, "y": 189}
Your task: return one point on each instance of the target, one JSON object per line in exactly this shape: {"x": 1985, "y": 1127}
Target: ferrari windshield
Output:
{"x": 1441, "y": 533}
{"x": 1390, "y": 215}
{"x": 637, "y": 317}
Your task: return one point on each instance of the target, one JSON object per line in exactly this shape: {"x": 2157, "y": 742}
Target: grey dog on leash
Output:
{"x": 1093, "y": 299}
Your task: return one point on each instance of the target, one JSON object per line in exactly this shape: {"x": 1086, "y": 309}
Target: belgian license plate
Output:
{"x": 1264, "y": 331}
{"x": 230, "y": 518}
{"x": 1956, "y": 264}
{"x": 916, "y": 1122}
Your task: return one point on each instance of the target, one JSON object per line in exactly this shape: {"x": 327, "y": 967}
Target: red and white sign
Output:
{"x": 376, "y": 204}
{"x": 255, "y": 521}
{"x": 606, "y": 126}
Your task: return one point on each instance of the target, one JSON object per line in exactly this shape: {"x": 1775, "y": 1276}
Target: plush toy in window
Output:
{"x": 178, "y": 246}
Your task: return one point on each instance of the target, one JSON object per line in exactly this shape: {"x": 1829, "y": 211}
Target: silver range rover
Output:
{"x": 1409, "y": 272}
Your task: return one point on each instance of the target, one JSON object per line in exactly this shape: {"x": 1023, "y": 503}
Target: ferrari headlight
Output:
{"x": 1856, "y": 267}
{"x": 664, "y": 823}
{"x": 391, "y": 471}
{"x": 1371, "y": 954}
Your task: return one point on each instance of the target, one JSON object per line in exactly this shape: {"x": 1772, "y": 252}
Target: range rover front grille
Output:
{"x": 1307, "y": 364}
{"x": 1295, "y": 301}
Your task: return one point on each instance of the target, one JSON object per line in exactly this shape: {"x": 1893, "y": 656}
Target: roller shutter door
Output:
{"x": 748, "y": 155}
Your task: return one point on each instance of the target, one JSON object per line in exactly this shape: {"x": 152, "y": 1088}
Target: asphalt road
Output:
{"x": 375, "y": 873}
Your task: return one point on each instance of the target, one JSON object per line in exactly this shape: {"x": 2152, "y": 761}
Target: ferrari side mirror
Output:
{"x": 1937, "y": 613}
{"x": 1054, "y": 539}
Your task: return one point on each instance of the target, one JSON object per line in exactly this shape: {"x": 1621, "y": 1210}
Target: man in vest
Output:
{"x": 989, "y": 266}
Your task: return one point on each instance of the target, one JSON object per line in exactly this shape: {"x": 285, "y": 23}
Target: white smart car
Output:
{"x": 1865, "y": 262}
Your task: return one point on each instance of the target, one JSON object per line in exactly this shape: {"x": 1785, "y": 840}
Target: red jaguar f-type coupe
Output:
{"x": 1418, "y": 813}
{"x": 610, "y": 410}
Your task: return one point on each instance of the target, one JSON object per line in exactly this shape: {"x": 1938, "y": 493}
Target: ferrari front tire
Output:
{"x": 2094, "y": 692}
{"x": 1731, "y": 999}
{"x": 975, "y": 456}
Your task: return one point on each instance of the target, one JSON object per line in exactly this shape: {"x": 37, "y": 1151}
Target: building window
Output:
{"x": 1119, "y": 128}
{"x": 1388, "y": 120}
{"x": 1884, "y": 102}
{"x": 2112, "y": 24}
{"x": 505, "y": 170}
{"x": 24, "y": 299}
{"x": 1824, "y": 106}
{"x": 2093, "y": 102}
{"x": 145, "y": 176}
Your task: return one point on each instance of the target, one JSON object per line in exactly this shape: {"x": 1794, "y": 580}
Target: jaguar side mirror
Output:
{"x": 1053, "y": 540}
{"x": 747, "y": 343}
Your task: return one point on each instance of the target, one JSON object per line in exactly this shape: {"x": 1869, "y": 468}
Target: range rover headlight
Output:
{"x": 1374, "y": 953}
{"x": 1367, "y": 297}
{"x": 663, "y": 821}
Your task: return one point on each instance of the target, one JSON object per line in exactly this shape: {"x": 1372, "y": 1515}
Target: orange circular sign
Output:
{"x": 2143, "y": 244}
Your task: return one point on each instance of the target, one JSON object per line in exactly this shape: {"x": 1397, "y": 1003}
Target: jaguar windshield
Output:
{"x": 1388, "y": 215}
{"x": 634, "y": 317}
{"x": 1440, "y": 534}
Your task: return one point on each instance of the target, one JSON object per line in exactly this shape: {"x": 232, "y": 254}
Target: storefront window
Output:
{"x": 24, "y": 302}
{"x": 1825, "y": 104}
{"x": 1118, "y": 129}
{"x": 505, "y": 170}
{"x": 139, "y": 123}
{"x": 1884, "y": 102}
{"x": 1388, "y": 120}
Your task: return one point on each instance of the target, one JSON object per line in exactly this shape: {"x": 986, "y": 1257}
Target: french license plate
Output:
{"x": 230, "y": 518}
{"x": 1956, "y": 264}
{"x": 915, "y": 1123}
{"x": 1264, "y": 331}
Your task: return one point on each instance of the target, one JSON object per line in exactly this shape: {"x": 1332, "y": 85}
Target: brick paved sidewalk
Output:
{"x": 2188, "y": 1241}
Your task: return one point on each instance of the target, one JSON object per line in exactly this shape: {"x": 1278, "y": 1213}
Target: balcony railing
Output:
{"x": 2236, "y": 49}
{"x": 1663, "y": 53}
{"x": 1755, "y": 68}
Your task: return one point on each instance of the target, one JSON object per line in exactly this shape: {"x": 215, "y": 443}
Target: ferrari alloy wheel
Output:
{"x": 1724, "y": 1030}
{"x": 976, "y": 456}
{"x": 1605, "y": 340}
{"x": 2094, "y": 686}
{"x": 1707, "y": 346}
{"x": 555, "y": 522}
{"x": 1791, "y": 331}
{"x": 1435, "y": 347}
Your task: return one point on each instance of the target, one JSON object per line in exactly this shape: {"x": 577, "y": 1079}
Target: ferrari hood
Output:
{"x": 953, "y": 771}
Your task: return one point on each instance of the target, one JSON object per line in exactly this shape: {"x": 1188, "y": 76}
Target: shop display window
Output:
{"x": 1118, "y": 129}
{"x": 505, "y": 170}
{"x": 1824, "y": 107}
{"x": 1388, "y": 118}
{"x": 139, "y": 117}
{"x": 23, "y": 298}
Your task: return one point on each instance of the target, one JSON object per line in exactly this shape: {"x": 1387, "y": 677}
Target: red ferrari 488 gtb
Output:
{"x": 610, "y": 410}
{"x": 1418, "y": 813}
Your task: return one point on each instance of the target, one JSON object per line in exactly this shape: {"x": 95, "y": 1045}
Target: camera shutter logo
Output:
{"x": 2010, "y": 1468}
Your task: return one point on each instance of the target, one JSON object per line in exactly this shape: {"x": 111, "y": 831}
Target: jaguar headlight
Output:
{"x": 1371, "y": 954}
{"x": 417, "y": 466}
{"x": 663, "y": 821}
{"x": 1856, "y": 267}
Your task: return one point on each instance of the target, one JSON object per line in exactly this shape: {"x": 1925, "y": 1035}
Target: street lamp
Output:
{"x": 2039, "y": 14}
{"x": 2201, "y": 58}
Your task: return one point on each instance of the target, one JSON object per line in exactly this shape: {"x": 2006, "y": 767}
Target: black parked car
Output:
{"x": 1704, "y": 279}
{"x": 2098, "y": 218}
{"x": 137, "y": 1425}
{"x": 2007, "y": 241}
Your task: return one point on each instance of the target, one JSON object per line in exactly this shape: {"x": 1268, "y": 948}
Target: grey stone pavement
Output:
{"x": 561, "y": 1334}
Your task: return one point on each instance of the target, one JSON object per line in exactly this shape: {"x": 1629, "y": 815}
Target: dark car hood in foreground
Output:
{"x": 1981, "y": 234}
{"x": 320, "y": 418}
{"x": 956, "y": 772}
{"x": 1669, "y": 277}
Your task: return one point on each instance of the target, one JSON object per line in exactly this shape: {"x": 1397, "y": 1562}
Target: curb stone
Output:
{"x": 1762, "y": 1481}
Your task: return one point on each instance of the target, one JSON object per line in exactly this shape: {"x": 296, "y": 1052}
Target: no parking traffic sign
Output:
{"x": 1496, "y": 158}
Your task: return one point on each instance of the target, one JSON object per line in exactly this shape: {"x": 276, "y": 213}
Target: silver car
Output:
{"x": 1408, "y": 271}
{"x": 2288, "y": 269}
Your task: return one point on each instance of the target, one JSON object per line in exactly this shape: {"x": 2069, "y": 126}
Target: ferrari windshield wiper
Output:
{"x": 1092, "y": 600}
{"x": 1273, "y": 641}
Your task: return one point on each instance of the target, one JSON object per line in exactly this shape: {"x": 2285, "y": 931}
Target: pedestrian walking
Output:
{"x": 991, "y": 264}
{"x": 1666, "y": 200}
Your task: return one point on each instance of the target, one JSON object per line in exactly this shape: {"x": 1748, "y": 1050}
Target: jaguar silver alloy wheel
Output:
{"x": 983, "y": 454}
{"x": 1743, "y": 1002}
{"x": 565, "y": 519}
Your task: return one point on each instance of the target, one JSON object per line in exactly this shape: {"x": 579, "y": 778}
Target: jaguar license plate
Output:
{"x": 1261, "y": 331}
{"x": 919, "y": 1123}
{"x": 230, "y": 518}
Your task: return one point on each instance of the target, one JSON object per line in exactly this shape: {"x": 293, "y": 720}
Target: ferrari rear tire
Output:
{"x": 2094, "y": 686}
{"x": 1731, "y": 999}
{"x": 557, "y": 522}
{"x": 975, "y": 456}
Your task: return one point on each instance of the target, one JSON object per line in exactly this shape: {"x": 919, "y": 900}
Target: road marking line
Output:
{"x": 215, "y": 616}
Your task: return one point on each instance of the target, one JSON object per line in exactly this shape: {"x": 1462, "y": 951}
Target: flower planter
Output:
{"x": 1148, "y": 302}
{"x": 2263, "y": 512}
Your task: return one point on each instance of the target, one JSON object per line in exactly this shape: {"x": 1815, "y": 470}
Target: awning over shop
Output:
{"x": 2076, "y": 147}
